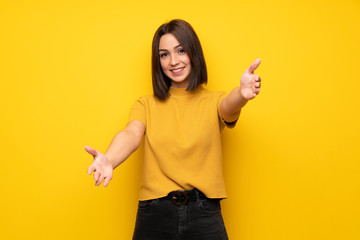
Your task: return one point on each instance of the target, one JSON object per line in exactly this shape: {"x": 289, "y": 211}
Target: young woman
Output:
{"x": 182, "y": 180}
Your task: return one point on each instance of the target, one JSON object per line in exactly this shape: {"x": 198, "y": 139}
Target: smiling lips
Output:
{"x": 177, "y": 71}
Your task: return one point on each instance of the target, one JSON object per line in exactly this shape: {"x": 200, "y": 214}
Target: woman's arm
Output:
{"x": 125, "y": 143}
{"x": 250, "y": 84}
{"x": 122, "y": 146}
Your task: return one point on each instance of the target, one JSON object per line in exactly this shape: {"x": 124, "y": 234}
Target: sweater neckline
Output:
{"x": 173, "y": 91}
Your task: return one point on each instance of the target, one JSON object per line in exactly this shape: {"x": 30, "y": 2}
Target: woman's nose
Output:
{"x": 174, "y": 60}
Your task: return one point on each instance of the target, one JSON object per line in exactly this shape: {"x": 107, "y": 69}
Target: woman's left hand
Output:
{"x": 250, "y": 83}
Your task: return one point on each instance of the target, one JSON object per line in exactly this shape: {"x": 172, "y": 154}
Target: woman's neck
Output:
{"x": 182, "y": 84}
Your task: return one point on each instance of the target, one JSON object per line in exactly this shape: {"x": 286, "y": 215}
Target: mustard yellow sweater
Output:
{"x": 182, "y": 145}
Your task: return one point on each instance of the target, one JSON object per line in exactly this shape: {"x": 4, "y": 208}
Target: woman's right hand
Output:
{"x": 101, "y": 166}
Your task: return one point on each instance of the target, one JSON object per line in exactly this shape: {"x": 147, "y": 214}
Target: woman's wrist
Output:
{"x": 110, "y": 161}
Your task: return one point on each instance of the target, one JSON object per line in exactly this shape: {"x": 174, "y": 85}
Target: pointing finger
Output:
{"x": 254, "y": 66}
{"x": 91, "y": 169}
{"x": 96, "y": 176}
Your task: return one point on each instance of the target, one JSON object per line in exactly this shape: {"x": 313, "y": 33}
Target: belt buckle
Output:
{"x": 179, "y": 197}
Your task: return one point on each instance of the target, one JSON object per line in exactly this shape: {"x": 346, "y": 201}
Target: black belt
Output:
{"x": 181, "y": 197}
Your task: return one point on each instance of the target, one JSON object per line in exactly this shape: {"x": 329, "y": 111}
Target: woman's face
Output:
{"x": 174, "y": 61}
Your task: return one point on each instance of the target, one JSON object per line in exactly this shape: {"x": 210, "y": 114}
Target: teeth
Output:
{"x": 177, "y": 70}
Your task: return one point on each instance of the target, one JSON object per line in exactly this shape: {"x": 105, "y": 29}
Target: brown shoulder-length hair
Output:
{"x": 189, "y": 41}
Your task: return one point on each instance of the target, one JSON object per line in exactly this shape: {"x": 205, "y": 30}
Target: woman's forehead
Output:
{"x": 168, "y": 42}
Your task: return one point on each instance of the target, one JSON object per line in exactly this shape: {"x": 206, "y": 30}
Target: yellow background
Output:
{"x": 70, "y": 71}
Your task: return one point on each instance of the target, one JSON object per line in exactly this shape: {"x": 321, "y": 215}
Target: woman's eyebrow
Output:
{"x": 166, "y": 49}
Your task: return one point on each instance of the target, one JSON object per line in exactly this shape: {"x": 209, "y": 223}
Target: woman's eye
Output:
{"x": 163, "y": 55}
{"x": 181, "y": 51}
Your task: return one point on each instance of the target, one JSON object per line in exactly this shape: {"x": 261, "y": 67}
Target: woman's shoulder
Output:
{"x": 148, "y": 97}
{"x": 147, "y": 100}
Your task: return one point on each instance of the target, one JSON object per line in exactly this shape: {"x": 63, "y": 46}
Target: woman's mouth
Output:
{"x": 177, "y": 71}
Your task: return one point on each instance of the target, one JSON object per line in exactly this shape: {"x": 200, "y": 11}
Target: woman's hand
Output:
{"x": 250, "y": 83}
{"x": 101, "y": 166}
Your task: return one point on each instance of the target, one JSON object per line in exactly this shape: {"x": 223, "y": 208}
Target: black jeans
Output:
{"x": 161, "y": 219}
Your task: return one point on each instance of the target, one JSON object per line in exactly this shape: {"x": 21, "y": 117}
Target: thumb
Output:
{"x": 92, "y": 151}
{"x": 254, "y": 66}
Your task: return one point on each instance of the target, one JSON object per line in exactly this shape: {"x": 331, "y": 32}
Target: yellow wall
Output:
{"x": 70, "y": 71}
